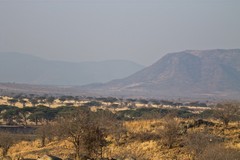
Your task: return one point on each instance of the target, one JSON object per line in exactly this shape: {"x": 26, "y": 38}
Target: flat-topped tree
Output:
{"x": 50, "y": 100}
{"x": 76, "y": 99}
{"x": 33, "y": 101}
{"x": 24, "y": 114}
{"x": 12, "y": 101}
{"x": 23, "y": 101}
{"x": 62, "y": 99}
{"x": 36, "y": 117}
{"x": 10, "y": 116}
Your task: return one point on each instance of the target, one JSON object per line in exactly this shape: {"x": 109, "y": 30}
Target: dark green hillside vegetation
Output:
{"x": 153, "y": 113}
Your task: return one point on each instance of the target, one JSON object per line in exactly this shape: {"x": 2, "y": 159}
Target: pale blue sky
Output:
{"x": 138, "y": 30}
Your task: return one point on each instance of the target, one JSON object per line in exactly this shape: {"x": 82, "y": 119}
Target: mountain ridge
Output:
{"x": 23, "y": 68}
{"x": 189, "y": 72}
{"x": 199, "y": 74}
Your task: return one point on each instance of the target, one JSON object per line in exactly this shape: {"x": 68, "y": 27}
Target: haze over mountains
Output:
{"x": 189, "y": 73}
{"x": 23, "y": 68}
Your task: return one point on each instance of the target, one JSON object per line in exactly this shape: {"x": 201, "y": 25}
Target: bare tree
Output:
{"x": 118, "y": 131}
{"x": 170, "y": 131}
{"x": 44, "y": 132}
{"x": 6, "y": 141}
{"x": 198, "y": 142}
{"x": 219, "y": 152}
{"x": 82, "y": 132}
{"x": 227, "y": 112}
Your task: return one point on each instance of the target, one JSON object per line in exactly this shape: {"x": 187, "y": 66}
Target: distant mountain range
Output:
{"x": 23, "y": 68}
{"x": 190, "y": 73}
{"x": 186, "y": 74}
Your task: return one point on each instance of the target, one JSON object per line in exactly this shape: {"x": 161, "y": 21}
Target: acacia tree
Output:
{"x": 34, "y": 101}
{"x": 12, "y": 101}
{"x": 62, "y": 99}
{"x": 10, "y": 116}
{"x": 227, "y": 112}
{"x": 23, "y": 101}
{"x": 82, "y": 132}
{"x": 50, "y": 100}
{"x": 36, "y": 117}
{"x": 76, "y": 99}
{"x": 24, "y": 114}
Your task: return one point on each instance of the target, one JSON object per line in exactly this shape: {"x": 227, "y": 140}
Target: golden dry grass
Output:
{"x": 150, "y": 149}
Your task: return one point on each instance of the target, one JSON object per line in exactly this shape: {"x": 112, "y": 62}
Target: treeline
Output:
{"x": 111, "y": 101}
{"x": 12, "y": 115}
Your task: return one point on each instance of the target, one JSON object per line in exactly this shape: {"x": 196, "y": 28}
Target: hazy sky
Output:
{"x": 137, "y": 30}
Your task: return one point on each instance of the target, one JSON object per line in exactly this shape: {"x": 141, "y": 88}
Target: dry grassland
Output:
{"x": 140, "y": 141}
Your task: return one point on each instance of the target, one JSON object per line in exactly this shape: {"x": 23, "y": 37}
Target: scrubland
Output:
{"x": 142, "y": 140}
{"x": 140, "y": 132}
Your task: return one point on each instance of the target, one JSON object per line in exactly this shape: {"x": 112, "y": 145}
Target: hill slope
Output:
{"x": 187, "y": 73}
{"x": 22, "y": 68}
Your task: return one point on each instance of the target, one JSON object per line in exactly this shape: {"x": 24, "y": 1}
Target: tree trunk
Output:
{"x": 4, "y": 151}
{"x": 36, "y": 121}
{"x": 43, "y": 140}
{"x": 226, "y": 121}
{"x": 25, "y": 120}
{"x": 77, "y": 148}
{"x": 78, "y": 153}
